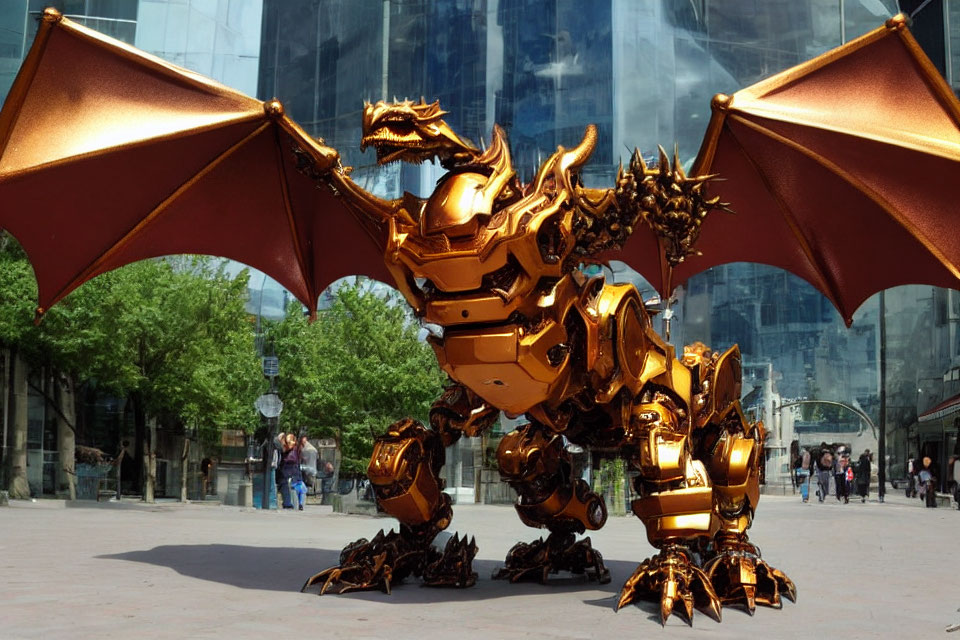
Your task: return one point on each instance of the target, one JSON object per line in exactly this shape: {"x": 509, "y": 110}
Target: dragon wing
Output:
{"x": 842, "y": 170}
{"x": 109, "y": 155}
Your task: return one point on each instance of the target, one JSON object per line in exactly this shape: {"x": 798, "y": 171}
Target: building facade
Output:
{"x": 219, "y": 38}
{"x": 644, "y": 72}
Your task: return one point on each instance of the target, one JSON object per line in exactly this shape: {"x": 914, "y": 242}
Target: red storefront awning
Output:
{"x": 942, "y": 410}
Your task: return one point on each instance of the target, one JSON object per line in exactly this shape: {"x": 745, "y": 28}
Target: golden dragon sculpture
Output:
{"x": 497, "y": 264}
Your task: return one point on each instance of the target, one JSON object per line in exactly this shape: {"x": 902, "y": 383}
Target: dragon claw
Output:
{"x": 364, "y": 565}
{"x": 559, "y": 552}
{"x": 389, "y": 558}
{"x": 740, "y": 576}
{"x": 453, "y": 567}
{"x": 672, "y": 578}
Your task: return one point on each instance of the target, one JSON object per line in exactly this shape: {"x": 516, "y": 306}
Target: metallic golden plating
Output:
{"x": 497, "y": 265}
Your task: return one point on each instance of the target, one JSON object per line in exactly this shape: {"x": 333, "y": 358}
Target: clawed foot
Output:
{"x": 671, "y": 577}
{"x": 454, "y": 566}
{"x": 740, "y": 576}
{"x": 367, "y": 564}
{"x": 559, "y": 552}
{"x": 389, "y": 558}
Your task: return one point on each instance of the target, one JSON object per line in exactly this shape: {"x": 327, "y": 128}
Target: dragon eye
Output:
{"x": 401, "y": 126}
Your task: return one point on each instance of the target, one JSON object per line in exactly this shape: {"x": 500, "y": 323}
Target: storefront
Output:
{"x": 936, "y": 435}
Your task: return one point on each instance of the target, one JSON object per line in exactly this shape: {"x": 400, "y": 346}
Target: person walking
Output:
{"x": 928, "y": 476}
{"x": 840, "y": 477}
{"x": 912, "y": 476}
{"x": 292, "y": 479}
{"x": 956, "y": 480}
{"x": 863, "y": 475}
{"x": 803, "y": 475}
{"x": 308, "y": 463}
{"x": 824, "y": 471}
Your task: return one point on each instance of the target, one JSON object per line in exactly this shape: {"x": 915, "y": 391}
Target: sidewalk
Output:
{"x": 202, "y": 571}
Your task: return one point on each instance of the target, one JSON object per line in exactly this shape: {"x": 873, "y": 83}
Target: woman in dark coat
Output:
{"x": 289, "y": 469}
{"x": 863, "y": 475}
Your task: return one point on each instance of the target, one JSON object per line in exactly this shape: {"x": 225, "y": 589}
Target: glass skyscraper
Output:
{"x": 219, "y": 38}
{"x": 644, "y": 72}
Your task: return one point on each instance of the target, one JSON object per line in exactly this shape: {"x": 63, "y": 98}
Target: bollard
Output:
{"x": 4, "y": 498}
{"x": 245, "y": 494}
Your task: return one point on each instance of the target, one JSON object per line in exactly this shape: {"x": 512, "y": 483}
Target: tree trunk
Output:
{"x": 150, "y": 460}
{"x": 66, "y": 435}
{"x": 139, "y": 437}
{"x": 17, "y": 483}
{"x": 183, "y": 468}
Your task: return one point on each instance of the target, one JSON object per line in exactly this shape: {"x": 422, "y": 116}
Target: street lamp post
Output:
{"x": 882, "y": 436}
{"x": 269, "y": 405}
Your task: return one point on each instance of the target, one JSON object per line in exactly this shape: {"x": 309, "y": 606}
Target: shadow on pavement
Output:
{"x": 286, "y": 569}
{"x": 270, "y": 568}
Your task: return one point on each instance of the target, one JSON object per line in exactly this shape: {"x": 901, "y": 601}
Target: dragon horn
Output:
{"x": 576, "y": 157}
{"x": 677, "y": 167}
{"x": 663, "y": 163}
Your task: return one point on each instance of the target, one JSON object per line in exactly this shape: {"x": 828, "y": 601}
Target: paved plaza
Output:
{"x": 206, "y": 571}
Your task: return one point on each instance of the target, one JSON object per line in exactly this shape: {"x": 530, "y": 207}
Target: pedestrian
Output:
{"x": 840, "y": 476}
{"x": 911, "y": 476}
{"x": 292, "y": 479}
{"x": 308, "y": 463}
{"x": 325, "y": 474}
{"x": 824, "y": 471}
{"x": 928, "y": 476}
{"x": 863, "y": 475}
{"x": 956, "y": 480}
{"x": 205, "y": 467}
{"x": 803, "y": 475}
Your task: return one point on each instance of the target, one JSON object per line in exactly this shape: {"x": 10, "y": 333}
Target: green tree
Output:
{"x": 358, "y": 368}
{"x": 172, "y": 335}
{"x": 190, "y": 342}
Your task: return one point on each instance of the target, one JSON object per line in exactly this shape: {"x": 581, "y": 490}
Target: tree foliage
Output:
{"x": 358, "y": 368}
{"x": 173, "y": 332}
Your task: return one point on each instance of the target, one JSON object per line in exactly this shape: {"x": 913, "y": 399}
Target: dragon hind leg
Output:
{"x": 532, "y": 459}
{"x": 676, "y": 507}
{"x": 734, "y": 565}
{"x": 404, "y": 472}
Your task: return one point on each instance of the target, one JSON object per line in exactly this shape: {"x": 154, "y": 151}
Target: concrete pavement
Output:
{"x": 207, "y": 571}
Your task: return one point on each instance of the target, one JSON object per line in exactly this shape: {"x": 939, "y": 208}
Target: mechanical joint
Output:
{"x": 680, "y": 513}
{"x": 575, "y": 503}
{"x": 402, "y": 473}
{"x": 460, "y": 411}
{"x": 661, "y": 447}
{"x": 528, "y": 454}
{"x": 734, "y": 471}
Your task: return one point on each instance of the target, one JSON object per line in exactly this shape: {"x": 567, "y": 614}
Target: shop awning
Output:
{"x": 942, "y": 410}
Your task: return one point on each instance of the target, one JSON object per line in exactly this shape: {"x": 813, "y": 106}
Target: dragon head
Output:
{"x": 412, "y": 132}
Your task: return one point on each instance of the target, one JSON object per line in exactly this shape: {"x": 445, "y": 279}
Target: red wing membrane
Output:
{"x": 841, "y": 170}
{"x": 111, "y": 156}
